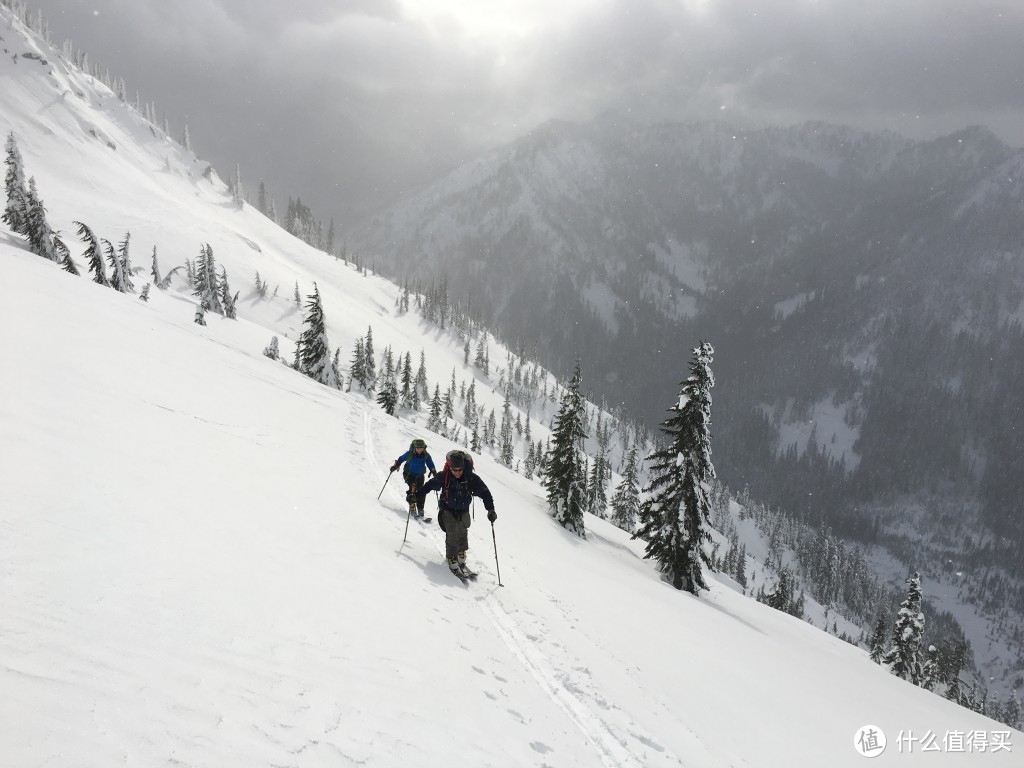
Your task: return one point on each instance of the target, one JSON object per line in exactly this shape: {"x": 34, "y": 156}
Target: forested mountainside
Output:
{"x": 863, "y": 293}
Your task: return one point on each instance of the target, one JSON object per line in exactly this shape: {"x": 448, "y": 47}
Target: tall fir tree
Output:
{"x": 626, "y": 501}
{"x": 904, "y": 657}
{"x": 206, "y": 287}
{"x": 371, "y": 361}
{"x": 407, "y": 381}
{"x": 597, "y": 498}
{"x": 564, "y": 483}
{"x": 14, "y": 185}
{"x": 505, "y": 441}
{"x": 357, "y": 366}
{"x": 422, "y": 387}
{"x": 675, "y": 516}
{"x": 314, "y": 353}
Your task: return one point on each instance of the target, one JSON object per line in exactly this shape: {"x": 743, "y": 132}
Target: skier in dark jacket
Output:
{"x": 416, "y": 461}
{"x": 458, "y": 484}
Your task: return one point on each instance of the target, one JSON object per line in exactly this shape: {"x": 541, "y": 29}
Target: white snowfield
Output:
{"x": 195, "y": 569}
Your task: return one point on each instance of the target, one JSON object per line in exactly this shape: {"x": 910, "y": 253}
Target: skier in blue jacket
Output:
{"x": 416, "y": 461}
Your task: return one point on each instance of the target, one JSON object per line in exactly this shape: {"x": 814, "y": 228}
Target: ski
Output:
{"x": 471, "y": 575}
{"x": 460, "y": 577}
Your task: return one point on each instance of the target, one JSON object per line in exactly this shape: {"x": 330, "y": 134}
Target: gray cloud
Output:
{"x": 351, "y": 104}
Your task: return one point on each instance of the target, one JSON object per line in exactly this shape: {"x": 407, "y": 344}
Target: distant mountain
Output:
{"x": 863, "y": 292}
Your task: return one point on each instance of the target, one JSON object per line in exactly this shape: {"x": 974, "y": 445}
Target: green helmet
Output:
{"x": 418, "y": 443}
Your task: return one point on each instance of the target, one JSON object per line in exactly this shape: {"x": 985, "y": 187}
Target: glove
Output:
{"x": 432, "y": 472}
{"x": 394, "y": 466}
{"x": 492, "y": 515}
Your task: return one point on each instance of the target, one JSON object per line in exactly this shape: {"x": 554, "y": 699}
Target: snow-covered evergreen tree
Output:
{"x": 117, "y": 281}
{"x": 407, "y": 381}
{"x": 271, "y": 350}
{"x": 676, "y": 513}
{"x": 371, "y": 361}
{"x": 388, "y": 396}
{"x": 434, "y": 420}
{"x": 63, "y": 255}
{"x": 126, "y": 264}
{"x": 422, "y": 387}
{"x": 34, "y": 226}
{"x": 314, "y": 353}
{"x": 597, "y": 498}
{"x": 237, "y": 194}
{"x": 155, "y": 270}
{"x": 357, "y": 365}
{"x": 93, "y": 254}
{"x": 904, "y": 657}
{"x": 14, "y": 184}
{"x": 626, "y": 501}
{"x": 566, "y": 488}
{"x": 877, "y": 648}
{"x": 227, "y": 299}
{"x": 207, "y": 287}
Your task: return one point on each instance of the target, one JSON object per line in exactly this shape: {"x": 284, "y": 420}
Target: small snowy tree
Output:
{"x": 388, "y": 396}
{"x": 35, "y": 227}
{"x": 117, "y": 278}
{"x": 93, "y": 254}
{"x": 314, "y": 353}
{"x": 272, "y": 350}
{"x": 626, "y": 501}
{"x": 877, "y": 649}
{"x": 227, "y": 299}
{"x": 63, "y": 255}
{"x": 126, "y": 263}
{"x": 155, "y": 269}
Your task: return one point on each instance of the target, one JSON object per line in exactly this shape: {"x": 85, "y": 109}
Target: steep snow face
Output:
{"x": 197, "y": 568}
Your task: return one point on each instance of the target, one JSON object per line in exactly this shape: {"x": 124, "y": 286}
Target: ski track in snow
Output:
{"x": 613, "y": 750}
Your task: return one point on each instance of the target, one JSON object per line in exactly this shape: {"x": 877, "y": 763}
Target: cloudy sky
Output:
{"x": 351, "y": 104}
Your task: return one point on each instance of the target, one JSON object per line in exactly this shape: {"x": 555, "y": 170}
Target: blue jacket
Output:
{"x": 417, "y": 463}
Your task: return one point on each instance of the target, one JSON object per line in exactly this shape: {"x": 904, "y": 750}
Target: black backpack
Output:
{"x": 452, "y": 487}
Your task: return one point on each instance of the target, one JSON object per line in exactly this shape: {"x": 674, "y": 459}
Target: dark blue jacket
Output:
{"x": 416, "y": 463}
{"x": 456, "y": 493}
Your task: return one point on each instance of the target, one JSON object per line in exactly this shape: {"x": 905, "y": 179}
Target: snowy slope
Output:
{"x": 195, "y": 570}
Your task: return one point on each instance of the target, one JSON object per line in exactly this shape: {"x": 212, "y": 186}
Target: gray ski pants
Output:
{"x": 456, "y": 530}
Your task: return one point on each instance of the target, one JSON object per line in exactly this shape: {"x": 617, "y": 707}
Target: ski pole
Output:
{"x": 494, "y": 538}
{"x": 407, "y": 516}
{"x": 385, "y": 483}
